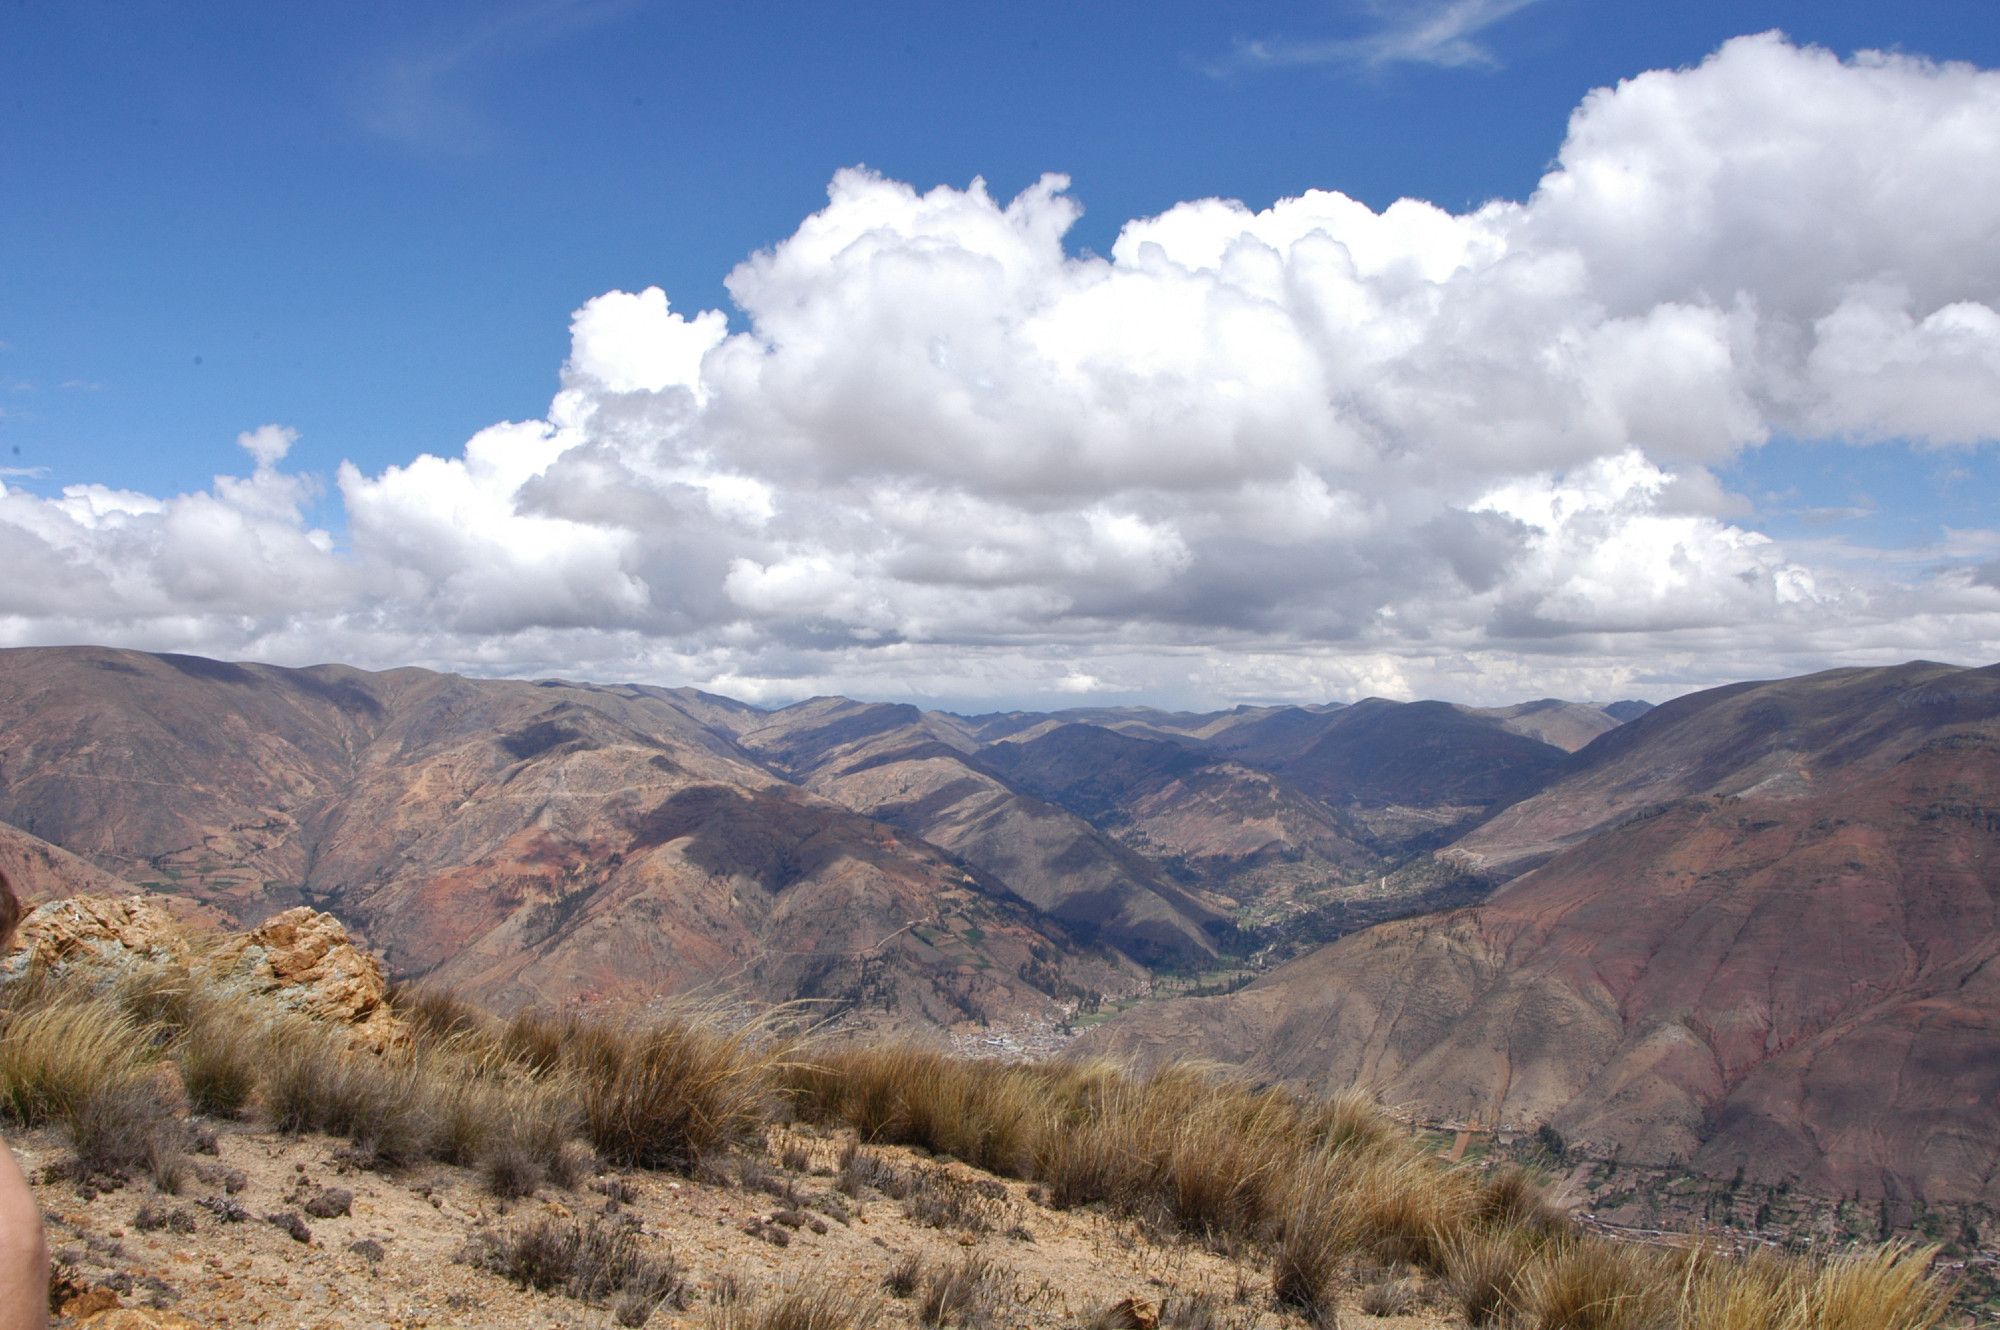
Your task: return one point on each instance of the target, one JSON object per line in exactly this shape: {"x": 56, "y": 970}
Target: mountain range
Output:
{"x": 1748, "y": 932}
{"x": 1751, "y": 932}
{"x": 553, "y": 841}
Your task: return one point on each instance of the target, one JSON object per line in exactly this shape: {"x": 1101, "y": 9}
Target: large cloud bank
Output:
{"x": 1306, "y": 452}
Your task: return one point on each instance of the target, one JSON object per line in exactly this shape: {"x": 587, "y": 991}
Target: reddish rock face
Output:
{"x": 1769, "y": 944}
{"x": 302, "y": 958}
{"x": 306, "y": 961}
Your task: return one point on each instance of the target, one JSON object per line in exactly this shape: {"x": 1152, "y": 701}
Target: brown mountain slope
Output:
{"x": 1769, "y": 739}
{"x": 1372, "y": 781}
{"x": 524, "y": 840}
{"x": 40, "y": 871}
{"x": 1795, "y": 978}
{"x": 912, "y": 770}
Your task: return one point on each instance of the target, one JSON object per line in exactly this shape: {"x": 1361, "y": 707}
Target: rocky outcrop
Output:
{"x": 304, "y": 960}
{"x": 97, "y": 930}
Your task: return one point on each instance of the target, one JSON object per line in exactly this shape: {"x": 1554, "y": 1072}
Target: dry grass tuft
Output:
{"x": 439, "y": 1016}
{"x": 965, "y": 1293}
{"x": 81, "y": 1059}
{"x": 1482, "y": 1274}
{"x": 904, "y": 1276}
{"x": 314, "y": 1081}
{"x": 1754, "y": 1291}
{"x": 220, "y": 1053}
{"x": 802, "y": 1306}
{"x": 675, "y": 1092}
{"x": 1592, "y": 1284}
{"x": 161, "y": 998}
{"x": 516, "y": 1129}
{"x": 1890, "y": 1288}
{"x": 1308, "y": 1258}
{"x": 1511, "y": 1198}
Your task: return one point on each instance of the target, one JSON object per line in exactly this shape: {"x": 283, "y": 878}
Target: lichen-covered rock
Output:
{"x": 305, "y": 960}
{"x": 97, "y": 930}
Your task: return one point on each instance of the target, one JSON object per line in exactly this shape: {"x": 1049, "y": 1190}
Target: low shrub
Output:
{"x": 1391, "y": 1297}
{"x": 593, "y": 1260}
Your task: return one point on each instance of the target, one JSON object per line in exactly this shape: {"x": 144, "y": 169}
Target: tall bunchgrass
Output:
{"x": 674, "y": 1092}
{"x": 76, "y": 1057}
{"x": 1317, "y": 1190}
{"x": 1327, "y": 1188}
{"x": 803, "y": 1305}
{"x": 1888, "y": 1288}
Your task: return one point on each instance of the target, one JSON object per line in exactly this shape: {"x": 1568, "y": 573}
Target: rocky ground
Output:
{"x": 280, "y": 1232}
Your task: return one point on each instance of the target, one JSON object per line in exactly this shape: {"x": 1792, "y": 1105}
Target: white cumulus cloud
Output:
{"x": 1310, "y": 450}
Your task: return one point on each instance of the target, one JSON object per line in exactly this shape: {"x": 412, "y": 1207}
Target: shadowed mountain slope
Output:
{"x": 1776, "y": 953}
{"x": 40, "y": 871}
{"x": 914, "y": 771}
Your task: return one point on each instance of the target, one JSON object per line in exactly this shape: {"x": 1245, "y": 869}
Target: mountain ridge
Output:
{"x": 1722, "y": 927}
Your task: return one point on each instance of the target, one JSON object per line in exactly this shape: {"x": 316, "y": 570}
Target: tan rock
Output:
{"x": 90, "y": 1302}
{"x": 1130, "y": 1312}
{"x": 97, "y": 930}
{"x": 305, "y": 960}
{"x": 137, "y": 1318}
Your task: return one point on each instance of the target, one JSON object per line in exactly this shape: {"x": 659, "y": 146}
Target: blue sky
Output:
{"x": 371, "y": 224}
{"x": 372, "y": 221}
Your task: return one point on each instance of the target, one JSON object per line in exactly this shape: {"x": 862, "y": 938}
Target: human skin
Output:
{"x": 24, "y": 1251}
{"x": 24, "y": 1254}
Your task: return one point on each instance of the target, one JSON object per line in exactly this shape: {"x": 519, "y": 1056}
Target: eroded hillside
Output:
{"x": 1760, "y": 943}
